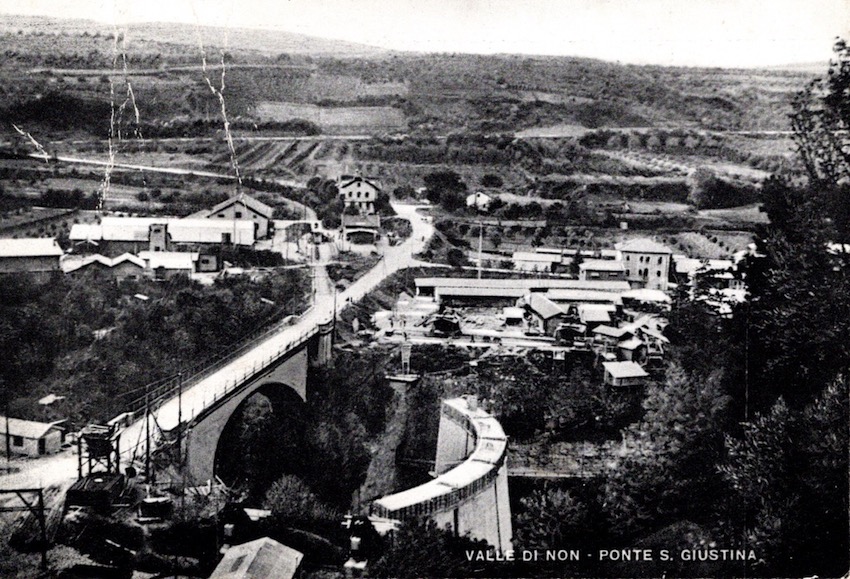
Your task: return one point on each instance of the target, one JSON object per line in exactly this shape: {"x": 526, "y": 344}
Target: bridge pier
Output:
{"x": 470, "y": 493}
{"x": 324, "y": 344}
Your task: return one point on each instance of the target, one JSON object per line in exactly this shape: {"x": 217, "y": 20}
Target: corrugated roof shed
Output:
{"x": 25, "y": 428}
{"x": 259, "y": 559}
{"x": 30, "y": 247}
{"x": 543, "y": 307}
{"x": 624, "y": 369}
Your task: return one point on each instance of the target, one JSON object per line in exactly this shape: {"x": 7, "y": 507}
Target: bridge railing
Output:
{"x": 239, "y": 379}
{"x": 445, "y": 492}
{"x": 168, "y": 388}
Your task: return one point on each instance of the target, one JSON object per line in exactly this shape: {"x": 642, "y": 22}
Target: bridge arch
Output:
{"x": 204, "y": 434}
{"x": 263, "y": 436}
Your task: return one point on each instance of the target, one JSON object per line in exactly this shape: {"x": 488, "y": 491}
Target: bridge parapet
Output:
{"x": 472, "y": 496}
{"x": 164, "y": 390}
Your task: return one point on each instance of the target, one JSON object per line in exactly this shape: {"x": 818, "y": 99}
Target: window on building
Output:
{"x": 628, "y": 258}
{"x": 660, "y": 260}
{"x": 221, "y": 215}
{"x": 238, "y": 214}
{"x": 657, "y": 274}
{"x": 17, "y": 440}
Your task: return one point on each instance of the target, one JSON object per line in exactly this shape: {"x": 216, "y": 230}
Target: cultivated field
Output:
{"x": 348, "y": 119}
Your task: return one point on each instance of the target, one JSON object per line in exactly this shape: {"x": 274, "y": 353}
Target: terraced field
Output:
{"x": 340, "y": 120}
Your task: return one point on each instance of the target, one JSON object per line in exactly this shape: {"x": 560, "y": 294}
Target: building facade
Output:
{"x": 30, "y": 438}
{"x": 647, "y": 263}
{"x": 31, "y": 255}
{"x": 245, "y": 207}
{"x": 359, "y": 192}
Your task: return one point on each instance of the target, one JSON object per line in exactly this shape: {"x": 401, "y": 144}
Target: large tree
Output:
{"x": 665, "y": 469}
{"x": 821, "y": 121}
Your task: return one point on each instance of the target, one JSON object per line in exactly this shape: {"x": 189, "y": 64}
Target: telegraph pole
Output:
{"x": 180, "y": 419}
{"x": 147, "y": 435}
{"x": 480, "y": 245}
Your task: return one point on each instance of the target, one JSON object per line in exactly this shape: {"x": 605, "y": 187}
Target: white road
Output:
{"x": 61, "y": 467}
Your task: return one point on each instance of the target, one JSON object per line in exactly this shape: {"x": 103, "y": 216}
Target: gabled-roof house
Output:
{"x": 30, "y": 438}
{"x": 359, "y": 192}
{"x": 244, "y": 207}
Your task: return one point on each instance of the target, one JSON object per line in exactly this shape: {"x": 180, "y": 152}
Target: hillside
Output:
{"x": 273, "y": 78}
{"x": 265, "y": 42}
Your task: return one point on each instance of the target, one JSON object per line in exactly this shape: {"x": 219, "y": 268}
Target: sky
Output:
{"x": 724, "y": 33}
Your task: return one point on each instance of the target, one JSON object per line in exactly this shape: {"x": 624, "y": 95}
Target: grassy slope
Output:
{"x": 441, "y": 93}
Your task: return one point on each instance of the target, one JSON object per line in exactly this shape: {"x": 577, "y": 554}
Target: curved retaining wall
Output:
{"x": 471, "y": 492}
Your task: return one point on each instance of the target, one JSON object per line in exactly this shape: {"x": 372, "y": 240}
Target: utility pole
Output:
{"x": 180, "y": 419}
{"x": 147, "y": 435}
{"x": 480, "y": 245}
{"x": 8, "y": 439}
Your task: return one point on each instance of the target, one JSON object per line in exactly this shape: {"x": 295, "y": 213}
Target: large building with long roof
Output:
{"x": 117, "y": 235}
{"x": 31, "y": 255}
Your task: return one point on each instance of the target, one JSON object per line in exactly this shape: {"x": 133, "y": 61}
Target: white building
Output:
{"x": 359, "y": 192}
{"x": 244, "y": 207}
{"x": 116, "y": 235}
{"x": 31, "y": 255}
{"x": 30, "y": 438}
{"x": 479, "y": 200}
{"x": 647, "y": 262}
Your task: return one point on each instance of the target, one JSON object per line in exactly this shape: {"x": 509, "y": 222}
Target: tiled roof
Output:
{"x": 643, "y": 245}
{"x": 527, "y": 284}
{"x": 258, "y": 559}
{"x": 601, "y": 265}
{"x": 348, "y": 180}
{"x": 543, "y": 306}
{"x": 169, "y": 259}
{"x": 189, "y": 230}
{"x": 366, "y": 221}
{"x": 246, "y": 200}
{"x": 106, "y": 261}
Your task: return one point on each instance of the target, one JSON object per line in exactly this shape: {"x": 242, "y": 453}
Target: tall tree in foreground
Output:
{"x": 821, "y": 124}
{"x": 787, "y": 477}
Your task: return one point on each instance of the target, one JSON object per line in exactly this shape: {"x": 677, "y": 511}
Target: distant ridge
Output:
{"x": 272, "y": 42}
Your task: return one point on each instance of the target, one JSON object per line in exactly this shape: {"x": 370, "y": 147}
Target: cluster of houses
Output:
{"x": 617, "y": 321}
{"x": 136, "y": 247}
{"x": 615, "y": 308}
{"x": 640, "y": 261}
